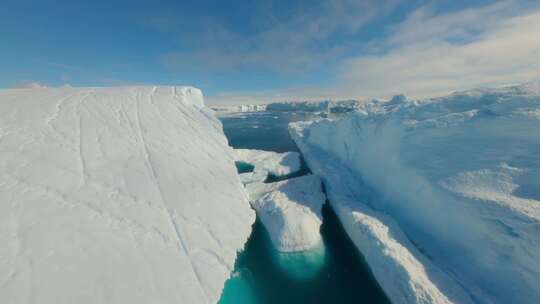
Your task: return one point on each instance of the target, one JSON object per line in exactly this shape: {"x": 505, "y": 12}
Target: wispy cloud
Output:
{"x": 435, "y": 54}
{"x": 286, "y": 43}
{"x": 430, "y": 54}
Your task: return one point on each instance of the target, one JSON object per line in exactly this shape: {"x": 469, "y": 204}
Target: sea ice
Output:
{"x": 267, "y": 163}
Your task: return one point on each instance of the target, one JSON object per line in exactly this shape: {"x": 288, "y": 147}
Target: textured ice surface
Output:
{"x": 454, "y": 181}
{"x": 291, "y": 211}
{"x": 267, "y": 162}
{"x": 116, "y": 195}
{"x": 403, "y": 272}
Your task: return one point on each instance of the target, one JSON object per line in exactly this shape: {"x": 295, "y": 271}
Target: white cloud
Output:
{"x": 434, "y": 55}
{"x": 428, "y": 54}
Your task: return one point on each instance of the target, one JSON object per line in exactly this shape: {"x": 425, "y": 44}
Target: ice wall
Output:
{"x": 116, "y": 195}
{"x": 460, "y": 175}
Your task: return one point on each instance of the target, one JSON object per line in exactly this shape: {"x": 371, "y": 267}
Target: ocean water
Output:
{"x": 333, "y": 273}
{"x": 262, "y": 130}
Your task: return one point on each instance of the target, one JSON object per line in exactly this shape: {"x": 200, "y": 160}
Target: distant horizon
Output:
{"x": 35, "y": 85}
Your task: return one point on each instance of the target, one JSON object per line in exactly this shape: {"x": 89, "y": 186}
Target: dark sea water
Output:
{"x": 262, "y": 130}
{"x": 333, "y": 273}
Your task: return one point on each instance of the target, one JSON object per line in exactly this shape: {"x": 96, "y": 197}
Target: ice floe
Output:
{"x": 267, "y": 163}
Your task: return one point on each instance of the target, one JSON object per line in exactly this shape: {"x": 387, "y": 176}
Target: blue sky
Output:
{"x": 259, "y": 51}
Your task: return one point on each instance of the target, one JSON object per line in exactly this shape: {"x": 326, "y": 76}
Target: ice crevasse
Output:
{"x": 116, "y": 195}
{"x": 442, "y": 196}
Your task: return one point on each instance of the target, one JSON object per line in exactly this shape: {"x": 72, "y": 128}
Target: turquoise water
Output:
{"x": 333, "y": 273}
{"x": 244, "y": 167}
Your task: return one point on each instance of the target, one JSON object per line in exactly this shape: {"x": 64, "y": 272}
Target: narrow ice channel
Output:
{"x": 331, "y": 273}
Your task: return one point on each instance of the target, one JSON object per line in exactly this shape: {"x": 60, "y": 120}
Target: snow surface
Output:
{"x": 453, "y": 182}
{"x": 267, "y": 162}
{"x": 116, "y": 195}
{"x": 291, "y": 211}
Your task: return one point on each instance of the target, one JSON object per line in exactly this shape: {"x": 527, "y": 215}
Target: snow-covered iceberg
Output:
{"x": 116, "y": 195}
{"x": 267, "y": 163}
{"x": 442, "y": 196}
{"x": 291, "y": 211}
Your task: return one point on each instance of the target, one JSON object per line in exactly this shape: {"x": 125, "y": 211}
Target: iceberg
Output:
{"x": 291, "y": 211}
{"x": 267, "y": 163}
{"x": 442, "y": 196}
{"x": 116, "y": 195}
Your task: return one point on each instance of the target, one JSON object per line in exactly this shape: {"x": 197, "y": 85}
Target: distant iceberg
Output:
{"x": 339, "y": 106}
{"x": 116, "y": 195}
{"x": 442, "y": 196}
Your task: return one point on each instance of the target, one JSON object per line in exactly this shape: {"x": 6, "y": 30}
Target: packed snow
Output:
{"x": 267, "y": 163}
{"x": 116, "y": 195}
{"x": 291, "y": 211}
{"x": 442, "y": 196}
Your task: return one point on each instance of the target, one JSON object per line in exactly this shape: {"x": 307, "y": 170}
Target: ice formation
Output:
{"x": 291, "y": 211}
{"x": 442, "y": 196}
{"x": 267, "y": 163}
{"x": 116, "y": 195}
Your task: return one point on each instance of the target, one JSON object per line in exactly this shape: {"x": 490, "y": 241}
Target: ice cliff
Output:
{"x": 116, "y": 195}
{"x": 442, "y": 196}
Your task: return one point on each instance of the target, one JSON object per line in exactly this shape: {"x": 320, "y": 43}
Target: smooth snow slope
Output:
{"x": 116, "y": 195}
{"x": 460, "y": 175}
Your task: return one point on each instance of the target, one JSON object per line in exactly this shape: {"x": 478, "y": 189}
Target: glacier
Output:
{"x": 441, "y": 196}
{"x": 116, "y": 195}
{"x": 291, "y": 211}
